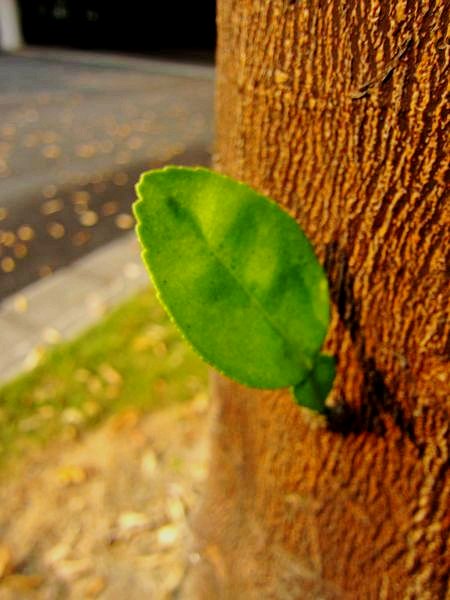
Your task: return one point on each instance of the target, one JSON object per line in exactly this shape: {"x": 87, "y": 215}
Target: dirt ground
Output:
{"x": 106, "y": 515}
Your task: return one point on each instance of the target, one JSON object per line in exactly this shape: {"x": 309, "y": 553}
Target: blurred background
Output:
{"x": 102, "y": 405}
{"x": 179, "y": 29}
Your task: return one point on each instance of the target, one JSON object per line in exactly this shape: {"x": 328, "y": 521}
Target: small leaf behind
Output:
{"x": 235, "y": 272}
{"x": 313, "y": 391}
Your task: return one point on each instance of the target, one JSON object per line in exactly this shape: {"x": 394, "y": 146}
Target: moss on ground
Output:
{"x": 133, "y": 359}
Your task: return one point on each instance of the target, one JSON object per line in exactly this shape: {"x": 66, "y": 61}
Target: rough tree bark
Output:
{"x": 339, "y": 111}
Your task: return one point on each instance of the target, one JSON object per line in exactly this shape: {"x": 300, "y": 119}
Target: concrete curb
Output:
{"x": 119, "y": 61}
{"x": 60, "y": 306}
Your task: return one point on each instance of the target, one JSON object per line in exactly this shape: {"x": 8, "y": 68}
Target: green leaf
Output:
{"x": 313, "y": 391}
{"x": 236, "y": 274}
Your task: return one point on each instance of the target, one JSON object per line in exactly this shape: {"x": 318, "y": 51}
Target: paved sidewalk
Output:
{"x": 64, "y": 304}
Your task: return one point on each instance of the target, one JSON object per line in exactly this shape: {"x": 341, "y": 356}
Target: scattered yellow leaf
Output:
{"x": 20, "y": 250}
{"x": 72, "y": 475}
{"x": 8, "y": 264}
{"x": 124, "y": 221}
{"x": 25, "y": 233}
{"x": 109, "y": 208}
{"x": 88, "y": 218}
{"x": 56, "y": 230}
{"x": 7, "y": 238}
{"x": 51, "y": 206}
{"x": 81, "y": 197}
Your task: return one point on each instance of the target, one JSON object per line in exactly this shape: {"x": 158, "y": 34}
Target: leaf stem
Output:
{"x": 312, "y": 392}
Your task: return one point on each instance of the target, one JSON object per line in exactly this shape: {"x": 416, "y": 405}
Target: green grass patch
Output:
{"x": 133, "y": 359}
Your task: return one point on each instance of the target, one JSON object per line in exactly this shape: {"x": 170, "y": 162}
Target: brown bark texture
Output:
{"x": 340, "y": 112}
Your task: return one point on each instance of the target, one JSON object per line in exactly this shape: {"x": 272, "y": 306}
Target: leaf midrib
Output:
{"x": 254, "y": 300}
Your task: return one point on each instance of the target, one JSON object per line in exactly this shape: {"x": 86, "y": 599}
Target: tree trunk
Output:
{"x": 339, "y": 111}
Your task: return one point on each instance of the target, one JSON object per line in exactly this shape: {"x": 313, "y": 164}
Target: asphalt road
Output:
{"x": 75, "y": 133}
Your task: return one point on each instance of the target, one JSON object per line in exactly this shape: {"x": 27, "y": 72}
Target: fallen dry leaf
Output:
{"x": 72, "y": 475}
